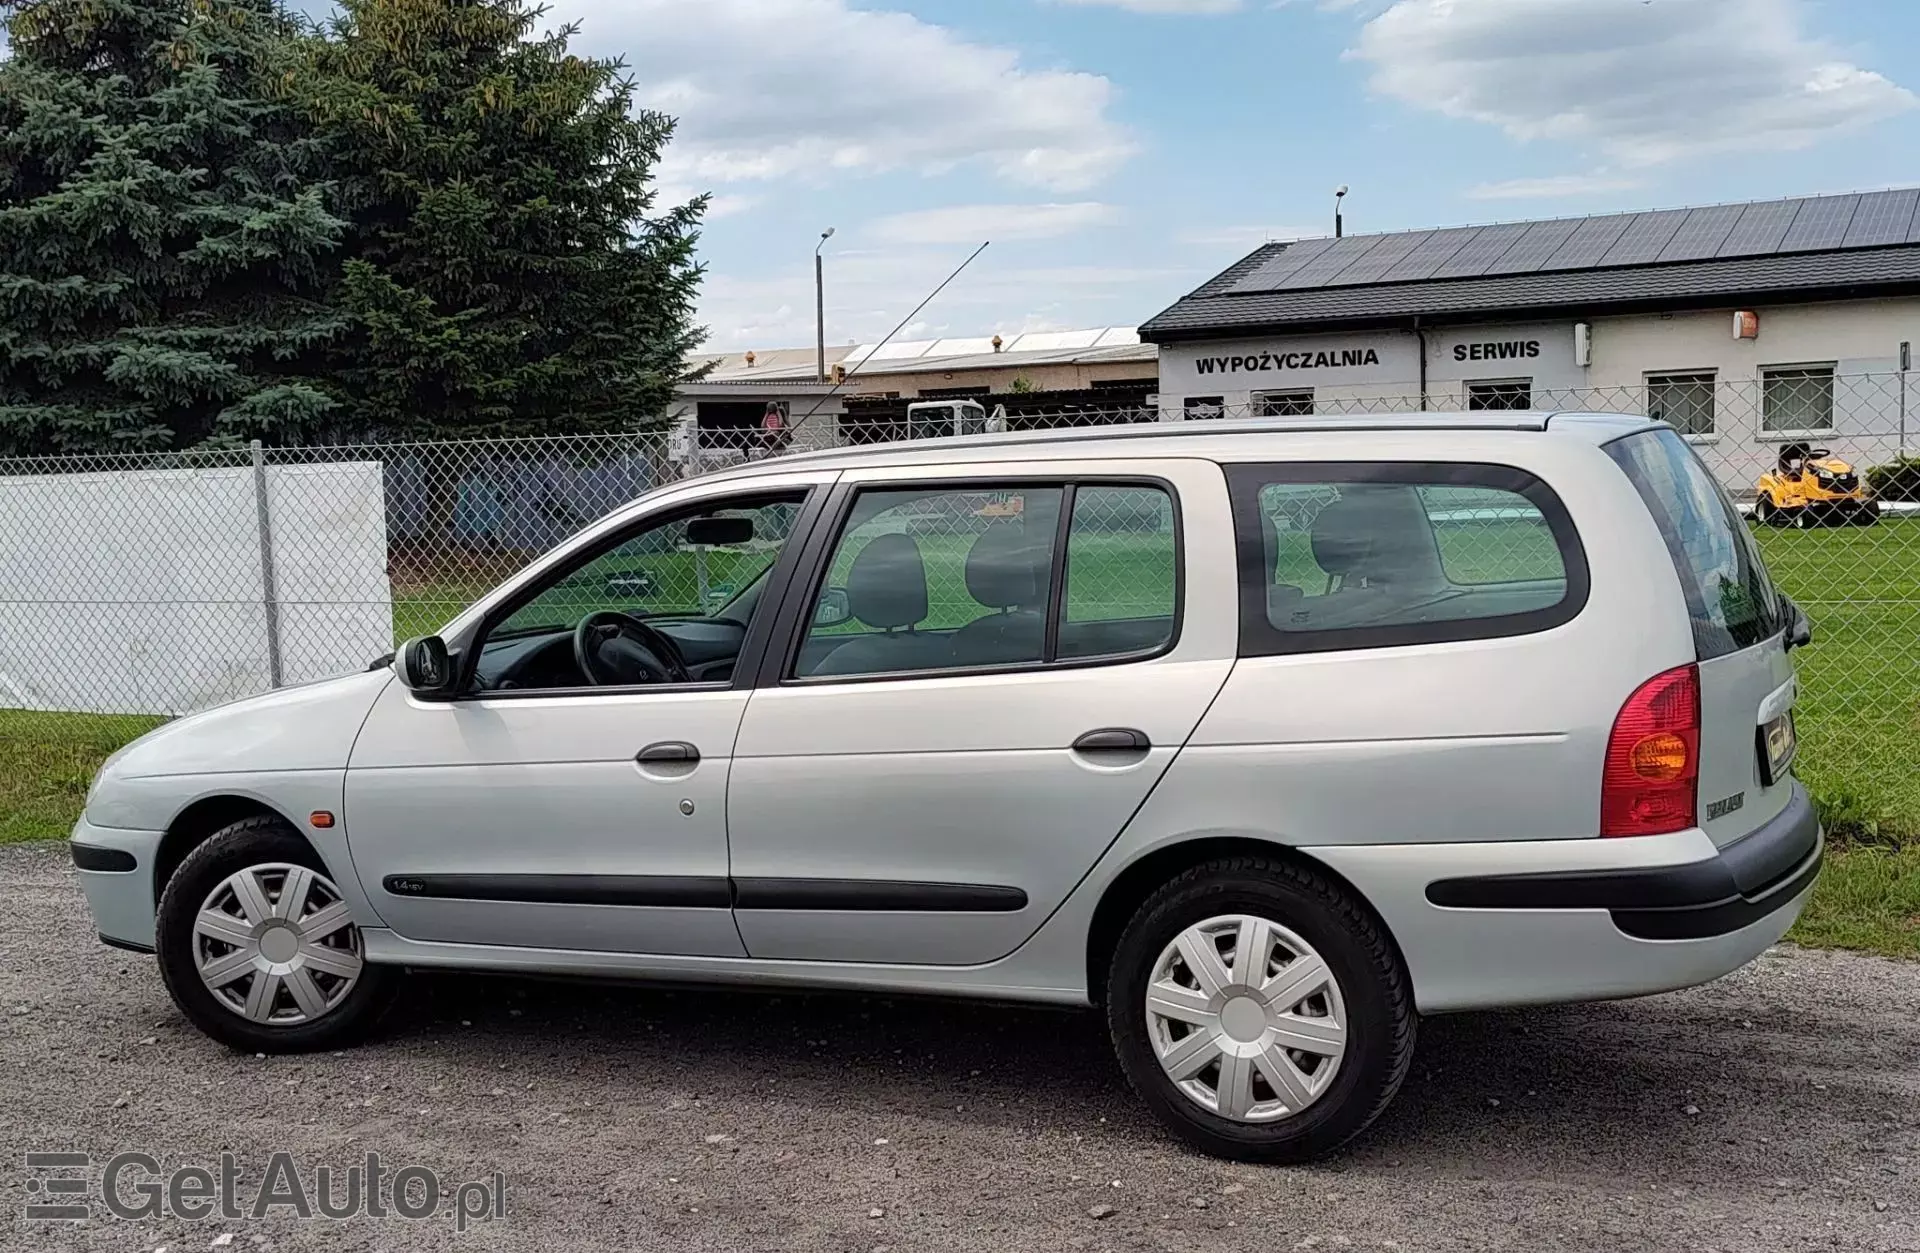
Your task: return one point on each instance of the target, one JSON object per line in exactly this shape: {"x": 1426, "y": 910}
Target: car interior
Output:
{"x": 1381, "y": 558}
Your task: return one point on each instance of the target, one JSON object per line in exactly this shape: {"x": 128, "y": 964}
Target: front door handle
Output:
{"x": 669, "y": 753}
{"x": 1113, "y": 740}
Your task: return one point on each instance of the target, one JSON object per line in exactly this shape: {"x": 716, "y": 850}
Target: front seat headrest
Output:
{"x": 887, "y": 586}
{"x": 1004, "y": 569}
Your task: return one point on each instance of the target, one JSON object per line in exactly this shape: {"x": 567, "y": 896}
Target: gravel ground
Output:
{"x": 1778, "y": 1109}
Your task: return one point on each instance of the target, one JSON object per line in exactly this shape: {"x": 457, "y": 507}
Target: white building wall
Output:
{"x": 1374, "y": 371}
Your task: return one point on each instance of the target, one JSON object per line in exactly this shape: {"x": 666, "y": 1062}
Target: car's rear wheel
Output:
{"x": 258, "y": 948}
{"x": 1260, "y": 1011}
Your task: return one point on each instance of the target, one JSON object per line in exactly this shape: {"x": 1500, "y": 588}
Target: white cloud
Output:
{"x": 783, "y": 89}
{"x": 971, "y": 223}
{"x": 1643, "y": 83}
{"x": 1552, "y": 186}
{"x": 1165, "y": 6}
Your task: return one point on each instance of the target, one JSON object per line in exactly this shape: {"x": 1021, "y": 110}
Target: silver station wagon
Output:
{"x": 1265, "y": 738}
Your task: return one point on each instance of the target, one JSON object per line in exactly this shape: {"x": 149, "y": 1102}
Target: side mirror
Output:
{"x": 424, "y": 666}
{"x": 1799, "y": 626}
{"x": 835, "y": 608}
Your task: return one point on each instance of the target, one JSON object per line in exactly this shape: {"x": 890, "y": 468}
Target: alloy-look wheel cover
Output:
{"x": 275, "y": 944}
{"x": 1246, "y": 1019}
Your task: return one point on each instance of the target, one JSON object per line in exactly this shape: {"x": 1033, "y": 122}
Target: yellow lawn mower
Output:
{"x": 1812, "y": 487}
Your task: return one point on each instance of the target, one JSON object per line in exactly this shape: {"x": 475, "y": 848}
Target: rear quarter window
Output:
{"x": 1372, "y": 555}
{"x": 1730, "y": 598}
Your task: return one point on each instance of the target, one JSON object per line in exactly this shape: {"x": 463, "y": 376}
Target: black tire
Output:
{"x": 1868, "y": 515}
{"x": 1373, "y": 984}
{"x": 252, "y": 842}
{"x": 1764, "y": 513}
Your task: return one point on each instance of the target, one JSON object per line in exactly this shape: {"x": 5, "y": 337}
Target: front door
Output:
{"x": 574, "y": 795}
{"x": 928, "y": 780}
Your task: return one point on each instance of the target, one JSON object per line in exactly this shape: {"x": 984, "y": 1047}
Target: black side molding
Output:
{"x": 126, "y": 945}
{"x": 679, "y": 892}
{"x": 1750, "y": 878}
{"x": 658, "y": 891}
{"x": 93, "y": 857}
{"x": 877, "y": 895}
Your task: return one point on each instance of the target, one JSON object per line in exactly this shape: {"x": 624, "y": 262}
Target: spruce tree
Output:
{"x": 507, "y": 268}
{"x": 163, "y": 235}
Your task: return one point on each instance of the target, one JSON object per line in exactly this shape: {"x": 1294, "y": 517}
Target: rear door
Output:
{"x": 925, "y": 782}
{"x": 1747, "y": 685}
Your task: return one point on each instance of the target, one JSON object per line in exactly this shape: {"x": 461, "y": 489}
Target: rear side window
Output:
{"x": 1730, "y": 599}
{"x": 1339, "y": 556}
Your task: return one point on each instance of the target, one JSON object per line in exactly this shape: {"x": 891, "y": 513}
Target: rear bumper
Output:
{"x": 1748, "y": 880}
{"x": 1483, "y": 926}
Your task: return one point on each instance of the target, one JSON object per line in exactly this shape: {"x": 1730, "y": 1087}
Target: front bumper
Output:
{"x": 115, "y": 869}
{"x": 1541, "y": 922}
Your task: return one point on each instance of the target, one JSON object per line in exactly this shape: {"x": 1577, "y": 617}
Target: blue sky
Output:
{"x": 1120, "y": 151}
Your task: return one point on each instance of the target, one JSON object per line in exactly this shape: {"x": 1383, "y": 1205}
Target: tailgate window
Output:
{"x": 1729, "y": 597}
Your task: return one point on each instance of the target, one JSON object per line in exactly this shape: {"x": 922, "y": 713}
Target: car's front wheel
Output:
{"x": 1260, "y": 1011}
{"x": 258, "y": 948}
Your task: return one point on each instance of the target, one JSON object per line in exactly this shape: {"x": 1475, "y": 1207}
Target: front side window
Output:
{"x": 926, "y": 580}
{"x": 693, "y": 578}
{"x": 1796, "y": 398}
{"x": 1500, "y": 394}
{"x": 1683, "y": 401}
{"x": 1362, "y": 556}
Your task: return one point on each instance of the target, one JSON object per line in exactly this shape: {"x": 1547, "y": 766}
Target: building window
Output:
{"x": 1500, "y": 394}
{"x": 1682, "y": 401}
{"x": 1796, "y": 398}
{"x": 1297, "y": 403}
{"x": 1205, "y": 407}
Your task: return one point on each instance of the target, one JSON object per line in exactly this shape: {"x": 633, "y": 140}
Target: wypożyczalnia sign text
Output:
{"x": 1266, "y": 362}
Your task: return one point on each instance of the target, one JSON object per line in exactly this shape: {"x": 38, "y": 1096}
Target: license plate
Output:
{"x": 1778, "y": 742}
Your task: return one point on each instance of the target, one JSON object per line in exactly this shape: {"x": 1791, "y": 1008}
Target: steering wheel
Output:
{"x": 615, "y": 649}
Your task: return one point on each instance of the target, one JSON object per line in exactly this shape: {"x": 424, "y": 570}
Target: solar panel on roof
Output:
{"x": 1482, "y": 251}
{"x": 1820, "y": 224}
{"x": 1344, "y": 253}
{"x": 1702, "y": 233}
{"x": 1432, "y": 253}
{"x": 1644, "y": 239}
{"x": 1383, "y": 256}
{"x": 1275, "y": 268}
{"x": 1541, "y": 241}
{"x": 1589, "y": 243}
{"x": 1761, "y": 228}
{"x": 1882, "y": 218}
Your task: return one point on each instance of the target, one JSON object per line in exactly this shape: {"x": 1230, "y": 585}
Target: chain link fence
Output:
{"x": 139, "y": 587}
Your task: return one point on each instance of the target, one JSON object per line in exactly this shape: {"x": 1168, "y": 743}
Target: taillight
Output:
{"x": 1651, "y": 782}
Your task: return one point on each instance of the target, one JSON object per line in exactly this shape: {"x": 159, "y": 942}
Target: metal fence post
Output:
{"x": 269, "y": 594}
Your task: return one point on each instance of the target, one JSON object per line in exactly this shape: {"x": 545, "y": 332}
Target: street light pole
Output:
{"x": 1339, "y": 225}
{"x": 820, "y": 307}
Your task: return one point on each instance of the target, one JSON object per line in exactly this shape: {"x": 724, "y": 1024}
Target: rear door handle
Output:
{"x": 668, "y": 753}
{"x": 1113, "y": 740}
